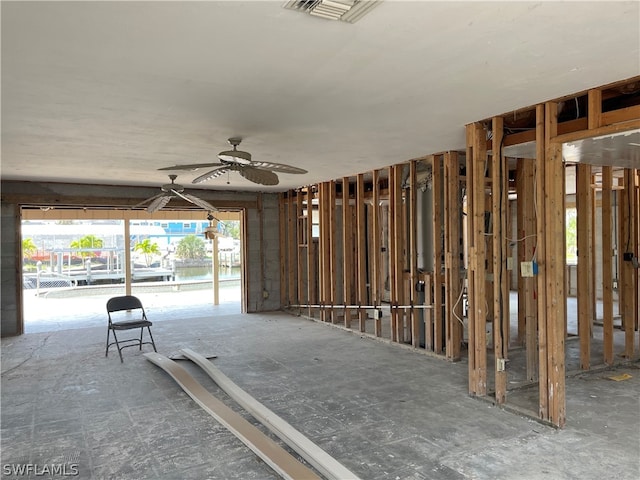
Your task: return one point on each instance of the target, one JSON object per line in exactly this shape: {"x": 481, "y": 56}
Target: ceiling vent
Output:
{"x": 345, "y": 10}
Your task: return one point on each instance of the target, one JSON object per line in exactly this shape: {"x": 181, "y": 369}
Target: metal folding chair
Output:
{"x": 133, "y": 308}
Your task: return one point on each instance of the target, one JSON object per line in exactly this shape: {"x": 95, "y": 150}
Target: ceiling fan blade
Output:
{"x": 144, "y": 202}
{"x": 159, "y": 203}
{"x": 278, "y": 167}
{"x": 216, "y": 172}
{"x": 191, "y": 166}
{"x": 257, "y": 175}
{"x": 197, "y": 201}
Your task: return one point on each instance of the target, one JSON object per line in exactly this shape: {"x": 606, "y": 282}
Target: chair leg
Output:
{"x": 118, "y": 345}
{"x": 106, "y": 352}
{"x": 140, "y": 343}
{"x": 152, "y": 342}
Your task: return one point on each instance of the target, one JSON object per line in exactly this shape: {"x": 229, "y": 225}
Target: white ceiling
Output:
{"x": 108, "y": 92}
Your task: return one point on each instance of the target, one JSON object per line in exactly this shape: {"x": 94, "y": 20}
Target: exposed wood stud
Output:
{"x": 499, "y": 187}
{"x": 607, "y": 272}
{"x": 415, "y": 316}
{"x": 453, "y": 280}
{"x": 393, "y": 280}
{"x": 361, "y": 250}
{"x": 376, "y": 274}
{"x": 476, "y": 159}
{"x": 437, "y": 192}
{"x": 347, "y": 251}
{"x": 283, "y": 248}
{"x": 333, "y": 267}
{"x": 301, "y": 246}
{"x": 552, "y": 229}
{"x": 628, "y": 244}
{"x": 584, "y": 203}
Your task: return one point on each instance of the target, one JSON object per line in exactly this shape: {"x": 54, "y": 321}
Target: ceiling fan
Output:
{"x": 235, "y": 160}
{"x": 172, "y": 190}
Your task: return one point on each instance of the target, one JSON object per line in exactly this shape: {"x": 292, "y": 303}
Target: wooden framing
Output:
{"x": 607, "y": 267}
{"x": 584, "y": 204}
{"x": 551, "y": 261}
{"x": 499, "y": 187}
{"x": 347, "y": 252}
{"x": 476, "y": 159}
{"x": 438, "y": 279}
{"x": 301, "y": 246}
{"x": 282, "y": 213}
{"x": 453, "y": 264}
{"x": 539, "y": 237}
{"x": 393, "y": 258}
{"x": 361, "y": 252}
{"x": 376, "y": 274}
{"x": 527, "y": 307}
{"x": 628, "y": 274}
{"x": 312, "y": 296}
{"x": 292, "y": 264}
{"x": 414, "y": 316}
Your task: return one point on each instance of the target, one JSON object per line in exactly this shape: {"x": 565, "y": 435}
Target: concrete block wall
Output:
{"x": 263, "y": 255}
{"x": 10, "y": 289}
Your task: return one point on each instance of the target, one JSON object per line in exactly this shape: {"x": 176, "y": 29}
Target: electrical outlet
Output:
{"x": 526, "y": 269}
{"x": 501, "y": 365}
{"x": 615, "y": 283}
{"x": 509, "y": 263}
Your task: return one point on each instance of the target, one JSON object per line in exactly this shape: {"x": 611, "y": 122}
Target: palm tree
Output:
{"x": 148, "y": 249}
{"x": 88, "y": 241}
{"x": 28, "y": 248}
{"x": 191, "y": 248}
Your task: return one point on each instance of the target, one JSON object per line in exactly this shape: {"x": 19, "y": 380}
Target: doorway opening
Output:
{"x": 178, "y": 263}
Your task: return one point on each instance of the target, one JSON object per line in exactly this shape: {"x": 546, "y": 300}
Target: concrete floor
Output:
{"x": 383, "y": 411}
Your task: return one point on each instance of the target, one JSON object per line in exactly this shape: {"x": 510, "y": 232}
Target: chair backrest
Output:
{"x": 125, "y": 302}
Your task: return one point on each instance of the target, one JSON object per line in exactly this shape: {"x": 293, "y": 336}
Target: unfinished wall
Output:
{"x": 10, "y": 266}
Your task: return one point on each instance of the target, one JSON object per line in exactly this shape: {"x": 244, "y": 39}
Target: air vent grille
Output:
{"x": 345, "y": 10}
